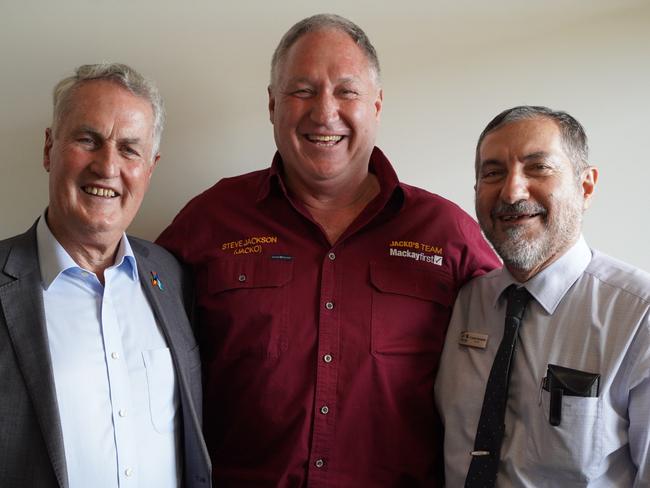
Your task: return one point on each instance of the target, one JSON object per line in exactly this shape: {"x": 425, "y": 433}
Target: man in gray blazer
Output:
{"x": 99, "y": 370}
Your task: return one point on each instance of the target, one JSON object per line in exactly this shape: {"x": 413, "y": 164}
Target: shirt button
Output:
{"x": 115, "y": 355}
{"x": 324, "y": 409}
{"x": 122, "y": 412}
{"x": 332, "y": 256}
{"x": 128, "y": 471}
{"x": 329, "y": 305}
{"x": 242, "y": 277}
{"x": 319, "y": 463}
{"x": 327, "y": 358}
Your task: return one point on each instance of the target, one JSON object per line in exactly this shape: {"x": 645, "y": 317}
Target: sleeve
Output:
{"x": 176, "y": 238}
{"x": 639, "y": 405}
{"x": 476, "y": 254}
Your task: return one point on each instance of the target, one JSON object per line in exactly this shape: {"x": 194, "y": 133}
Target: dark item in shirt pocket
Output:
{"x": 561, "y": 381}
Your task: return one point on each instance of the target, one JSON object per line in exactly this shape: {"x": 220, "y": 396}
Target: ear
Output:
{"x": 154, "y": 163}
{"x": 47, "y": 147}
{"x": 588, "y": 184}
{"x": 378, "y": 103}
{"x": 269, "y": 89}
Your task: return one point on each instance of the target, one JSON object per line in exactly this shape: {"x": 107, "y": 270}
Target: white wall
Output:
{"x": 448, "y": 68}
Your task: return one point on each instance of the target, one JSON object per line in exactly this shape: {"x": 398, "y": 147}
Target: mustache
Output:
{"x": 520, "y": 207}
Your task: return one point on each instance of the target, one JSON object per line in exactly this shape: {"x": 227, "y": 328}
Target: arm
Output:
{"x": 639, "y": 406}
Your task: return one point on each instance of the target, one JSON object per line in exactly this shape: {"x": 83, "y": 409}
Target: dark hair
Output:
{"x": 573, "y": 134}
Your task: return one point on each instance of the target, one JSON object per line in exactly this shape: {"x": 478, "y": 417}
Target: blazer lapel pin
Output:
{"x": 155, "y": 280}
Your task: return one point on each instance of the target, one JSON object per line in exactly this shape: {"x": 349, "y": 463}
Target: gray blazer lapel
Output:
{"x": 169, "y": 311}
{"x": 170, "y": 314}
{"x": 22, "y": 305}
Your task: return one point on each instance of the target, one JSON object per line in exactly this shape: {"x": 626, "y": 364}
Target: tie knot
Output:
{"x": 518, "y": 298}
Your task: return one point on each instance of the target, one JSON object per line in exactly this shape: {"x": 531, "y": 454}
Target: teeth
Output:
{"x": 515, "y": 217}
{"x": 319, "y": 138}
{"x": 100, "y": 192}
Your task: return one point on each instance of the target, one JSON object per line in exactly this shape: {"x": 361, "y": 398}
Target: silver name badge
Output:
{"x": 473, "y": 339}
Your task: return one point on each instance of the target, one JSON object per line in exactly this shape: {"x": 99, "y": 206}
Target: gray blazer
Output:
{"x": 31, "y": 443}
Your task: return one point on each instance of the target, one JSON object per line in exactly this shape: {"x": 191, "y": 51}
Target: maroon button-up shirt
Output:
{"x": 319, "y": 360}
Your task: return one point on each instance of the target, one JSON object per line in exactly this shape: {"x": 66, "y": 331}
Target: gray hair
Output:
{"x": 322, "y": 22}
{"x": 573, "y": 134}
{"x": 118, "y": 73}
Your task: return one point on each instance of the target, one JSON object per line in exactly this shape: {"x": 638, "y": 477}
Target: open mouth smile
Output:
{"x": 324, "y": 140}
{"x": 99, "y": 192}
{"x": 517, "y": 218}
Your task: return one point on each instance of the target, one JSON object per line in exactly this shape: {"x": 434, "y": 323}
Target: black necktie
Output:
{"x": 489, "y": 434}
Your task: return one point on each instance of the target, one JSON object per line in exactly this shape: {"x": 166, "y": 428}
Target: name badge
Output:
{"x": 473, "y": 339}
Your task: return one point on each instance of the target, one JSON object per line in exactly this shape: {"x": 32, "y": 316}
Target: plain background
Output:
{"x": 448, "y": 68}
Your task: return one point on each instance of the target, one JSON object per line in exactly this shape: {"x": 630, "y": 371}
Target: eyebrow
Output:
{"x": 305, "y": 79}
{"x": 87, "y": 129}
{"x": 537, "y": 155}
{"x": 528, "y": 157}
{"x": 92, "y": 131}
{"x": 129, "y": 140}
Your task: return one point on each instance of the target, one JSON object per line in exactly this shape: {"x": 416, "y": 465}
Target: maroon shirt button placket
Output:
{"x": 327, "y": 373}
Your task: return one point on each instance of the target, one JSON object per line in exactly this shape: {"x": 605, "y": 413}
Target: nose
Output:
{"x": 325, "y": 109}
{"x": 515, "y": 186}
{"x": 106, "y": 162}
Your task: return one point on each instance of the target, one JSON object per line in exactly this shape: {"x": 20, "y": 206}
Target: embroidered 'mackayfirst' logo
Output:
{"x": 419, "y": 251}
{"x": 249, "y": 245}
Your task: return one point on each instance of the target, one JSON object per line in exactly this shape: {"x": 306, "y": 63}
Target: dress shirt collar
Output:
{"x": 549, "y": 286}
{"x": 54, "y": 259}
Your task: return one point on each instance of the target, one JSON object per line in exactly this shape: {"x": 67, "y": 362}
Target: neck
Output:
{"x": 335, "y": 206}
{"x": 93, "y": 258}
{"x": 94, "y": 255}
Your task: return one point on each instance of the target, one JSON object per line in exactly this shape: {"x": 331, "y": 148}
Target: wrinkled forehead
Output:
{"x": 522, "y": 136}
{"x": 105, "y": 101}
{"x": 319, "y": 48}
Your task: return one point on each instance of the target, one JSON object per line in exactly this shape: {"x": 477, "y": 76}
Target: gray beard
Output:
{"x": 521, "y": 252}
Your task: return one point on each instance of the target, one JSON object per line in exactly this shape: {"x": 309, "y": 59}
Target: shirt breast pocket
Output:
{"x": 246, "y": 309}
{"x": 411, "y": 307}
{"x": 161, "y": 385}
{"x": 571, "y": 450}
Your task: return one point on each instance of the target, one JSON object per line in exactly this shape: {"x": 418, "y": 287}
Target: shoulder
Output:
{"x": 481, "y": 285}
{"x": 438, "y": 210}
{"x": 19, "y": 254}
{"x": 25, "y": 239}
{"x": 619, "y": 275}
{"x": 242, "y": 187}
{"x": 155, "y": 254}
{"x": 419, "y": 196}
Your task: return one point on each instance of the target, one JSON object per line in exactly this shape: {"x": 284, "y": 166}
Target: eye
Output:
{"x": 86, "y": 140}
{"x": 491, "y": 174}
{"x": 540, "y": 168}
{"x": 302, "y": 93}
{"x": 130, "y": 151}
{"x": 348, "y": 93}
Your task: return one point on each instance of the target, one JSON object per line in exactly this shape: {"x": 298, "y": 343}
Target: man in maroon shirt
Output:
{"x": 324, "y": 287}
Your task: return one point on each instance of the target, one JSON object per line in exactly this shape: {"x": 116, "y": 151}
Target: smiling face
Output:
{"x": 529, "y": 201}
{"x": 325, "y": 105}
{"x": 100, "y": 162}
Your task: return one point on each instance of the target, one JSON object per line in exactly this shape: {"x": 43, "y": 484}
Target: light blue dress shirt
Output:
{"x": 591, "y": 313}
{"x": 115, "y": 382}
